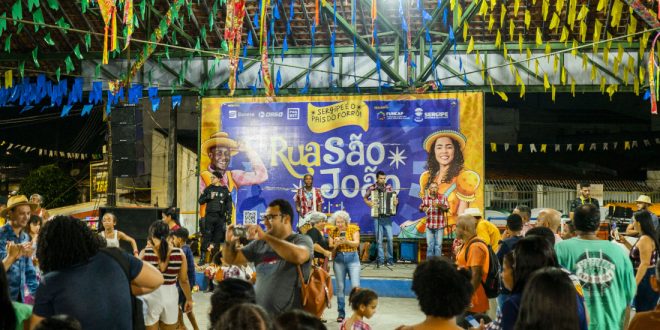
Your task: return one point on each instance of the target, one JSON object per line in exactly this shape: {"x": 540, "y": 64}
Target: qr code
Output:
{"x": 249, "y": 217}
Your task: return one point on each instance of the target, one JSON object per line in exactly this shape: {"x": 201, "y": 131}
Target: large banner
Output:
{"x": 267, "y": 147}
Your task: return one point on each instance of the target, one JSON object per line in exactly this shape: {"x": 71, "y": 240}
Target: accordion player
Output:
{"x": 383, "y": 203}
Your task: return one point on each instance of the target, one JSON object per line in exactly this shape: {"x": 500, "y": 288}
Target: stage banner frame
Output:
{"x": 343, "y": 140}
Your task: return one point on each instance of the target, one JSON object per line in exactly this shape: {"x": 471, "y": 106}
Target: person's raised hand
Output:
{"x": 229, "y": 234}
{"x": 14, "y": 250}
{"x": 256, "y": 232}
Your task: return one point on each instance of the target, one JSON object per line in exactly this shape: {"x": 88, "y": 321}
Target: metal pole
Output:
{"x": 172, "y": 158}
{"x": 112, "y": 187}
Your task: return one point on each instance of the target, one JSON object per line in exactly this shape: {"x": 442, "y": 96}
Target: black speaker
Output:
{"x": 127, "y": 145}
{"x": 134, "y": 222}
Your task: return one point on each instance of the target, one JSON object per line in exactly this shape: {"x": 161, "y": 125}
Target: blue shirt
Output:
{"x": 96, "y": 293}
{"x": 22, "y": 272}
{"x": 190, "y": 259}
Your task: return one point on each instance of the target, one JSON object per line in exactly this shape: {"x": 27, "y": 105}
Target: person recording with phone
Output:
{"x": 218, "y": 214}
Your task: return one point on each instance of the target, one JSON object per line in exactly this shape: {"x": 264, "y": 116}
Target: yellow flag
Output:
{"x": 470, "y": 45}
{"x": 594, "y": 71}
{"x": 520, "y": 147}
{"x": 626, "y": 145}
{"x": 642, "y": 72}
{"x": 619, "y": 52}
{"x": 625, "y": 76}
{"x": 631, "y": 64}
{"x": 528, "y": 18}
{"x": 615, "y": 65}
{"x": 506, "y": 51}
{"x": 520, "y": 42}
{"x": 563, "y": 76}
{"x": 518, "y": 79}
{"x": 516, "y": 6}
{"x": 544, "y": 10}
{"x": 459, "y": 10}
{"x": 465, "y": 30}
{"x": 597, "y": 28}
{"x": 483, "y": 10}
{"x": 452, "y": 4}
{"x": 601, "y": 5}
{"x": 554, "y": 23}
{"x": 606, "y": 55}
{"x": 584, "y": 10}
{"x": 573, "y": 86}
{"x": 493, "y": 147}
{"x": 559, "y": 5}
{"x": 502, "y": 14}
{"x": 503, "y": 96}
{"x": 511, "y": 29}
{"x": 636, "y": 86}
{"x": 498, "y": 39}
{"x": 564, "y": 35}
{"x": 492, "y": 4}
{"x": 583, "y": 31}
{"x": 9, "y": 79}
{"x": 539, "y": 36}
{"x": 536, "y": 67}
{"x": 602, "y": 84}
{"x": 555, "y": 64}
{"x": 546, "y": 83}
{"x": 522, "y": 90}
{"x": 632, "y": 27}
{"x": 572, "y": 12}
{"x": 544, "y": 147}
{"x": 617, "y": 7}
{"x": 548, "y": 49}
{"x": 478, "y": 60}
{"x": 490, "y": 82}
{"x": 581, "y": 147}
{"x": 554, "y": 92}
{"x": 491, "y": 22}
{"x": 529, "y": 53}
{"x": 574, "y": 48}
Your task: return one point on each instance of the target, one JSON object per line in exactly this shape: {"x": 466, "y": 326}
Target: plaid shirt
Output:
{"x": 22, "y": 272}
{"x": 435, "y": 217}
{"x": 350, "y": 230}
{"x": 307, "y": 205}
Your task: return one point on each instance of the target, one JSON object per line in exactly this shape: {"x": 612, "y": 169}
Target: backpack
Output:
{"x": 136, "y": 304}
{"x": 492, "y": 283}
{"x": 316, "y": 294}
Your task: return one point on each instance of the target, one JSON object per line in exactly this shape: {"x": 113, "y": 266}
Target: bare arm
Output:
{"x": 148, "y": 280}
{"x": 184, "y": 282}
{"x": 288, "y": 251}
{"x": 258, "y": 174}
{"x": 129, "y": 239}
{"x": 230, "y": 253}
{"x": 35, "y": 320}
{"x": 645, "y": 252}
{"x": 320, "y": 249}
{"x": 477, "y": 273}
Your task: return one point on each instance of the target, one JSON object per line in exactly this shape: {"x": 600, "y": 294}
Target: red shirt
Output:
{"x": 435, "y": 217}
{"x": 306, "y": 204}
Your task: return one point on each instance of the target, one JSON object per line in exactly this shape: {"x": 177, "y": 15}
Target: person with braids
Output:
{"x": 644, "y": 256}
{"x": 445, "y": 167}
{"x": 83, "y": 282}
{"x": 162, "y": 305}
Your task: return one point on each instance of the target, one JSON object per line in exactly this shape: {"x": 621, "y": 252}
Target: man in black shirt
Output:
{"x": 584, "y": 198}
{"x": 218, "y": 213}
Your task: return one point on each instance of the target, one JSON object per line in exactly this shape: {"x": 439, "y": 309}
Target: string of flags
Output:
{"x": 43, "y": 152}
{"x": 574, "y": 147}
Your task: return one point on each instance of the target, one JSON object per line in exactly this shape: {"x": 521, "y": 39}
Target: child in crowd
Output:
{"x": 364, "y": 303}
{"x": 113, "y": 236}
{"x": 219, "y": 271}
{"x": 180, "y": 240}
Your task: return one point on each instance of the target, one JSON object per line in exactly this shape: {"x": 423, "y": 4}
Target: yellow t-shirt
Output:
{"x": 2, "y": 221}
{"x": 489, "y": 233}
{"x": 350, "y": 230}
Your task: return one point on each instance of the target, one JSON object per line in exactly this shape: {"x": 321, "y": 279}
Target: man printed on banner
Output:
{"x": 220, "y": 149}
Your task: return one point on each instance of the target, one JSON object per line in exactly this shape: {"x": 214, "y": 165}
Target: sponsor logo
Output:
{"x": 419, "y": 115}
{"x": 436, "y": 115}
{"x": 232, "y": 113}
{"x": 293, "y": 113}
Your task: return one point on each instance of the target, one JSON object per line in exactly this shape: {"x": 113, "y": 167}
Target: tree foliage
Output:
{"x": 56, "y": 187}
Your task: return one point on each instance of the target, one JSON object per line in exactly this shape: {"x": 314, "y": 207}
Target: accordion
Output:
{"x": 383, "y": 203}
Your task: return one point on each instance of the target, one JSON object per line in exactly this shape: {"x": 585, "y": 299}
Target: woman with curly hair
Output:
{"x": 81, "y": 282}
{"x": 445, "y": 166}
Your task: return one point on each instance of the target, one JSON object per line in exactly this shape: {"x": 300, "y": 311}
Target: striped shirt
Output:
{"x": 171, "y": 273}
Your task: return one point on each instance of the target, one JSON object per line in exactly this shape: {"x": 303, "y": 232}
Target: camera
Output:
{"x": 239, "y": 231}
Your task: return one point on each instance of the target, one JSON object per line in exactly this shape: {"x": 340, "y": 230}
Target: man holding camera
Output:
{"x": 218, "y": 213}
{"x": 276, "y": 253}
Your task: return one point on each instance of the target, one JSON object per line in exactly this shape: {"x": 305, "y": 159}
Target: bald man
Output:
{"x": 550, "y": 218}
{"x": 476, "y": 259}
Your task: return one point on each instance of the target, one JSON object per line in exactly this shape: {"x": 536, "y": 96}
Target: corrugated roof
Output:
{"x": 530, "y": 184}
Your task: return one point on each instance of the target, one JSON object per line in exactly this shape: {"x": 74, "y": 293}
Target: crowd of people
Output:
{"x": 490, "y": 280}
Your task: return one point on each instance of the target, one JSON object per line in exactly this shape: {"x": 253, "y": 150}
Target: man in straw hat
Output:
{"x": 220, "y": 148}
{"x": 643, "y": 203}
{"x": 15, "y": 247}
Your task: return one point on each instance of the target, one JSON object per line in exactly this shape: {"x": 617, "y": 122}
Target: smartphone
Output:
{"x": 473, "y": 322}
{"x": 342, "y": 234}
{"x": 615, "y": 231}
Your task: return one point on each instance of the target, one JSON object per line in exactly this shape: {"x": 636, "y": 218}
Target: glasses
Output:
{"x": 269, "y": 217}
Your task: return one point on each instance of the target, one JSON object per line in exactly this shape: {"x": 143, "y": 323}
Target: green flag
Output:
{"x": 143, "y": 4}
{"x": 76, "y": 51}
{"x": 63, "y": 24}
{"x": 57, "y": 73}
{"x": 69, "y": 64}
{"x": 38, "y": 17}
{"x": 8, "y": 44}
{"x": 19, "y": 29}
{"x": 224, "y": 46}
{"x": 53, "y": 4}
{"x": 88, "y": 41}
{"x": 48, "y": 39}
{"x": 84, "y": 4}
{"x": 32, "y": 4}
{"x": 3, "y": 23}
{"x": 35, "y": 52}
{"x": 21, "y": 68}
{"x": 17, "y": 11}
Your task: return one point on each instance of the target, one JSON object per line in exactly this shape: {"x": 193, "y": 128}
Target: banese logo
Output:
{"x": 293, "y": 113}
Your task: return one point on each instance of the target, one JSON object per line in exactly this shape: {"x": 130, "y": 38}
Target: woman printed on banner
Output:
{"x": 445, "y": 166}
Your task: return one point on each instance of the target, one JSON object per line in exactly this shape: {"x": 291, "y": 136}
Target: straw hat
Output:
{"x": 473, "y": 211}
{"x": 454, "y": 135}
{"x": 220, "y": 139}
{"x": 17, "y": 200}
{"x": 644, "y": 199}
